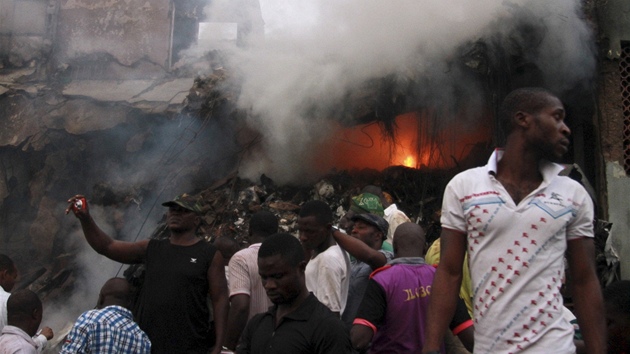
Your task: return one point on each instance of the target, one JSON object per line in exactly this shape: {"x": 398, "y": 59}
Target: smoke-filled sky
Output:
{"x": 317, "y": 51}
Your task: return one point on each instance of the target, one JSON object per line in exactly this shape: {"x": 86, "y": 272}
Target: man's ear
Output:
{"x": 302, "y": 266}
{"x": 522, "y": 119}
{"x": 36, "y": 314}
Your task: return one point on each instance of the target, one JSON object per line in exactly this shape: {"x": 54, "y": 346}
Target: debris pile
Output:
{"x": 229, "y": 204}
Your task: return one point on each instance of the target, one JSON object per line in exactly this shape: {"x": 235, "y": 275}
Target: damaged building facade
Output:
{"x": 104, "y": 99}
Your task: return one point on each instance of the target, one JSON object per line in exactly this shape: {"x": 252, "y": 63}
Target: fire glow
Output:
{"x": 418, "y": 143}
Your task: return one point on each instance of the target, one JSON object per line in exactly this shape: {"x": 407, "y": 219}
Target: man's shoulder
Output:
{"x": 318, "y": 311}
{"x": 567, "y": 183}
{"x": 388, "y": 254}
{"x": 329, "y": 253}
{"x": 393, "y": 269}
{"x": 255, "y": 321}
{"x": 333, "y": 257}
{"x": 99, "y": 315}
{"x": 471, "y": 172}
{"x": 248, "y": 253}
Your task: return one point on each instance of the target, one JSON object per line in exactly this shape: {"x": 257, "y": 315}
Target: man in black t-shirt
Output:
{"x": 298, "y": 322}
{"x": 180, "y": 272}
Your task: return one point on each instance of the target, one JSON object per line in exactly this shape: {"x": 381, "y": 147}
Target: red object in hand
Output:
{"x": 79, "y": 204}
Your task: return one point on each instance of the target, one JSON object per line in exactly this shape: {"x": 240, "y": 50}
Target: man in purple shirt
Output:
{"x": 392, "y": 315}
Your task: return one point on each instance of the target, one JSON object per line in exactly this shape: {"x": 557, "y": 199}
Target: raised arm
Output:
{"x": 360, "y": 250}
{"x": 587, "y": 295}
{"x": 445, "y": 288}
{"x": 119, "y": 251}
{"x": 219, "y": 297}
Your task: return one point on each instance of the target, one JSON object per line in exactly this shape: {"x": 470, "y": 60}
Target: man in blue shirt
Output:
{"x": 110, "y": 328}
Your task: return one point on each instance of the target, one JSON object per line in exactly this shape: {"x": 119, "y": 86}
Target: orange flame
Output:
{"x": 410, "y": 161}
{"x": 419, "y": 143}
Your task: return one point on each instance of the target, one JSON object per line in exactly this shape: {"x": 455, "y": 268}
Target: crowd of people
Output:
{"x": 490, "y": 284}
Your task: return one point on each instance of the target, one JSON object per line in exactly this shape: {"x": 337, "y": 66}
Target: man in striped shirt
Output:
{"x": 247, "y": 295}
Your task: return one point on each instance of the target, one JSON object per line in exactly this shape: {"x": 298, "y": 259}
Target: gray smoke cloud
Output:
{"x": 316, "y": 51}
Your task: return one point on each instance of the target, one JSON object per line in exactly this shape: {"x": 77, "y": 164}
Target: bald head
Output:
{"x": 24, "y": 310}
{"x": 409, "y": 240}
{"x": 115, "y": 291}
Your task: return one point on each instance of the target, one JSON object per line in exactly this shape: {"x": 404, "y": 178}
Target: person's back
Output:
{"x": 392, "y": 315}
{"x": 110, "y": 328}
{"x": 406, "y": 288}
{"x": 8, "y": 277}
{"x": 247, "y": 295}
{"x": 24, "y": 314}
{"x": 246, "y": 281}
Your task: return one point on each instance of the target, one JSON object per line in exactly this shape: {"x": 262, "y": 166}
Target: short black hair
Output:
{"x": 286, "y": 245}
{"x": 263, "y": 223}
{"x": 320, "y": 210}
{"x": 6, "y": 263}
{"x": 227, "y": 245}
{"x": 22, "y": 302}
{"x": 527, "y": 99}
{"x": 617, "y": 294}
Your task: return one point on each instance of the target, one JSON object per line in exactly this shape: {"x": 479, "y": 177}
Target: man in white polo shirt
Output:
{"x": 515, "y": 217}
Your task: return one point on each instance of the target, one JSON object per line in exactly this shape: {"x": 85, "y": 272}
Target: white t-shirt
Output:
{"x": 516, "y": 255}
{"x": 328, "y": 278}
{"x": 4, "y": 297}
{"x": 394, "y": 218}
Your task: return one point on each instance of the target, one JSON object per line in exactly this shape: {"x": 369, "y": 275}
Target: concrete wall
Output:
{"x": 24, "y": 30}
{"x": 127, "y": 30}
{"x": 614, "y": 27}
{"x": 614, "y": 23}
{"x": 618, "y": 191}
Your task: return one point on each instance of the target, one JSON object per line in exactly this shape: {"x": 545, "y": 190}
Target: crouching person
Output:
{"x": 297, "y": 322}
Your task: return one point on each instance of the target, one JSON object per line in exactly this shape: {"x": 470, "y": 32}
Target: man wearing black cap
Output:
{"x": 368, "y": 233}
{"x": 180, "y": 272}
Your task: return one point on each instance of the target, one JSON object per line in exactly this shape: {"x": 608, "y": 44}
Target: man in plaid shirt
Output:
{"x": 110, "y": 328}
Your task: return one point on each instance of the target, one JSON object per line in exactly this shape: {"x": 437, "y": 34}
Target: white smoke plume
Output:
{"x": 316, "y": 51}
